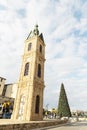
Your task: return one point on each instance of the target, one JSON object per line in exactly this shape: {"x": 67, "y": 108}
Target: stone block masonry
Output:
{"x": 11, "y": 125}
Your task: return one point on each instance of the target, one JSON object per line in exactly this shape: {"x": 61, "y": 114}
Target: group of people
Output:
{"x": 5, "y": 110}
{"x": 50, "y": 115}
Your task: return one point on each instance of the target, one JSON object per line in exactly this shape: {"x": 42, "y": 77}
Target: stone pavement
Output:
{"x": 8, "y": 124}
{"x": 82, "y": 125}
{"x": 10, "y": 121}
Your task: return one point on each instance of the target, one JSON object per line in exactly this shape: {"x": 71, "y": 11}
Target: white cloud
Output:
{"x": 64, "y": 25}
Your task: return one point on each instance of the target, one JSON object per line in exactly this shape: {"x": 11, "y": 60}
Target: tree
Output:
{"x": 63, "y": 106}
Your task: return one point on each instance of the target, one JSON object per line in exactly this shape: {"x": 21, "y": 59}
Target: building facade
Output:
{"x": 7, "y": 97}
{"x": 10, "y": 90}
{"x": 29, "y": 101}
{"x": 2, "y": 83}
{"x": 7, "y": 91}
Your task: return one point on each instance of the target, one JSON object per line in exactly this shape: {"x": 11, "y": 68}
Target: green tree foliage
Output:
{"x": 63, "y": 106}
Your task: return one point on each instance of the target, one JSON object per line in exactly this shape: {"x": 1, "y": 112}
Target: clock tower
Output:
{"x": 28, "y": 104}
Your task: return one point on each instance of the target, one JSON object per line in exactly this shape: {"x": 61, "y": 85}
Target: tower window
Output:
{"x": 29, "y": 46}
{"x": 39, "y": 71}
{"x": 37, "y": 104}
{"x": 40, "y": 48}
{"x": 26, "y": 69}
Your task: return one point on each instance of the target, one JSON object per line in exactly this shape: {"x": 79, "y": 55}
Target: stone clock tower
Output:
{"x": 29, "y": 100}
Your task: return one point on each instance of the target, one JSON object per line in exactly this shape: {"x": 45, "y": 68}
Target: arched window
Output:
{"x": 37, "y": 104}
{"x": 40, "y": 48}
{"x": 29, "y": 46}
{"x": 26, "y": 69}
{"x": 39, "y": 71}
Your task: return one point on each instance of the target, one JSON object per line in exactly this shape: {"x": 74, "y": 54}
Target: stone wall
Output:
{"x": 31, "y": 125}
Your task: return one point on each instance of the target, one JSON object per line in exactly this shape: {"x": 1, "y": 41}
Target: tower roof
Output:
{"x": 35, "y": 32}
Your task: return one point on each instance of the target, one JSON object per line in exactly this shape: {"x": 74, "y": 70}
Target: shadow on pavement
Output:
{"x": 78, "y": 124}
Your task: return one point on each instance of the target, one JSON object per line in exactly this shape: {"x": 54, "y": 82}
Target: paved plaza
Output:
{"x": 81, "y": 125}
{"x": 10, "y": 121}
{"x": 72, "y": 126}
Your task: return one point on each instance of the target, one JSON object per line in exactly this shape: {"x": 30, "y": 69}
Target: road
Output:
{"x": 72, "y": 126}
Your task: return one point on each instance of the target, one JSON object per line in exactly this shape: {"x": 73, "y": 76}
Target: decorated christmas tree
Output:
{"x": 63, "y": 106}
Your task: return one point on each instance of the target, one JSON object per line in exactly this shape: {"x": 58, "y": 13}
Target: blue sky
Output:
{"x": 64, "y": 26}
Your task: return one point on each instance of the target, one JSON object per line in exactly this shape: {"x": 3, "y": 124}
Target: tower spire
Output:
{"x": 36, "y": 31}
